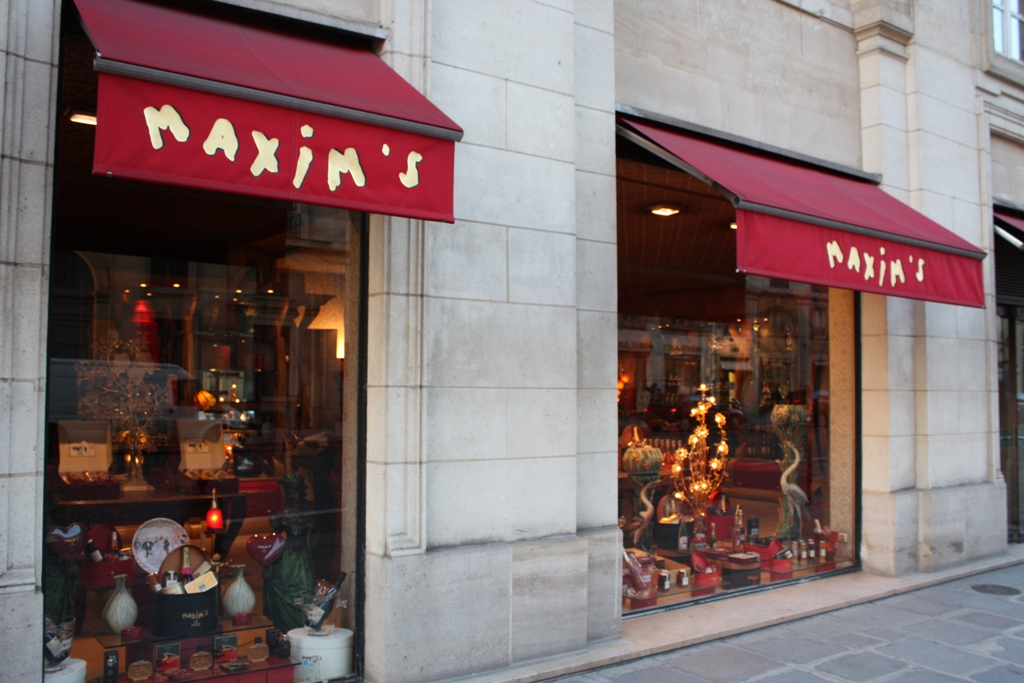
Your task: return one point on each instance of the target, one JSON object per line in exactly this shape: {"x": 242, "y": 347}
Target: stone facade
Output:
{"x": 491, "y": 476}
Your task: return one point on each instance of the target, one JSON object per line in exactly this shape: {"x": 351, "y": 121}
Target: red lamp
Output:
{"x": 214, "y": 516}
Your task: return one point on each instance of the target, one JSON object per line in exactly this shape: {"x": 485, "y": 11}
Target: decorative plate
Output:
{"x": 155, "y": 539}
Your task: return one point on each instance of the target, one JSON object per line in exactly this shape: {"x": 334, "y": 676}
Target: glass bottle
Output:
{"x": 258, "y": 651}
{"x": 684, "y": 540}
{"x": 186, "y": 566}
{"x": 700, "y": 541}
{"x": 713, "y": 537}
{"x": 284, "y": 650}
{"x": 53, "y": 648}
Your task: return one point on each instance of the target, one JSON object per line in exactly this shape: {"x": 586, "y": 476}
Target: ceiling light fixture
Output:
{"x": 82, "y": 117}
{"x": 664, "y": 210}
{"x": 732, "y": 226}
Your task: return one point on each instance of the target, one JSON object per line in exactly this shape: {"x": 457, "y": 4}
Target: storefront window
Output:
{"x": 201, "y": 419}
{"x": 724, "y": 403}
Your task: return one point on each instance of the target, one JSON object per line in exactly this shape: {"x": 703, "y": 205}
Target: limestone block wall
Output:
{"x": 28, "y": 57}
{"x": 780, "y": 72}
{"x": 491, "y": 494}
{"x": 932, "y": 495}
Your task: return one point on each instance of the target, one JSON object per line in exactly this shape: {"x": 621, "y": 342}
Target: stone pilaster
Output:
{"x": 28, "y": 57}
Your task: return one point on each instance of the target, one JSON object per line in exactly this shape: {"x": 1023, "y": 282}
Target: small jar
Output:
{"x": 664, "y": 580}
{"x": 803, "y": 551}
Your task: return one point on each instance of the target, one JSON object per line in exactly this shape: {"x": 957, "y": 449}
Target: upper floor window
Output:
{"x": 1007, "y": 23}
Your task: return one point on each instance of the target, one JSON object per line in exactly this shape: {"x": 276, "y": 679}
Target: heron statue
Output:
{"x": 790, "y": 424}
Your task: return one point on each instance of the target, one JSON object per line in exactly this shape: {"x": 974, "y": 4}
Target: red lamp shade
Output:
{"x": 214, "y": 516}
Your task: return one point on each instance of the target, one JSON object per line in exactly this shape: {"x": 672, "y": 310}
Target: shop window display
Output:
{"x": 724, "y": 403}
{"x": 200, "y": 420}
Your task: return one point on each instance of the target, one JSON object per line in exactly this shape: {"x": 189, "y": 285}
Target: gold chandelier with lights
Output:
{"x": 698, "y": 470}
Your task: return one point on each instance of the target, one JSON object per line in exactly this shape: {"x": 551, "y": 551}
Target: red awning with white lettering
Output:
{"x": 194, "y": 99}
{"x": 801, "y": 223}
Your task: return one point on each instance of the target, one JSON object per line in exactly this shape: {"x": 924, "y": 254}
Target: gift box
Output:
{"x": 184, "y": 616}
{"x": 92, "y": 491}
{"x": 84, "y": 447}
{"x": 187, "y": 484}
{"x": 101, "y": 574}
{"x": 741, "y": 569}
{"x": 780, "y": 566}
{"x": 761, "y": 549}
{"x": 706, "y": 584}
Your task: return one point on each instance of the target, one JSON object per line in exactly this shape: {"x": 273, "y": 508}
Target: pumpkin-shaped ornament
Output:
{"x": 641, "y": 458}
{"x": 642, "y": 463}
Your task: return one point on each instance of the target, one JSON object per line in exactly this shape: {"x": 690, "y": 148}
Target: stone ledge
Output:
{"x": 665, "y": 631}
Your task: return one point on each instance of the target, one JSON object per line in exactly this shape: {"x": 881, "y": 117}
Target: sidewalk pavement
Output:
{"x": 971, "y": 629}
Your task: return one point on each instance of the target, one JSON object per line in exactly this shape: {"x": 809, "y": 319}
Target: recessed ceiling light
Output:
{"x": 82, "y": 117}
{"x": 664, "y": 210}
{"x": 732, "y": 226}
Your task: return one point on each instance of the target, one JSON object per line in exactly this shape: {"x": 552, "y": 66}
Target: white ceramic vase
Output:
{"x": 238, "y": 596}
{"x": 121, "y": 610}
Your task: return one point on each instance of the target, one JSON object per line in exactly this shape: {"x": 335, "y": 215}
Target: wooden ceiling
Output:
{"x": 681, "y": 266}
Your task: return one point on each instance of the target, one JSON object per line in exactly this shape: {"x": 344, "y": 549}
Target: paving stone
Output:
{"x": 792, "y": 677}
{"x": 792, "y": 648}
{"x": 877, "y": 615}
{"x": 589, "y": 677}
{"x": 948, "y": 632}
{"x": 1012, "y": 650}
{"x": 986, "y": 620}
{"x": 920, "y": 604}
{"x": 723, "y": 663}
{"x": 996, "y": 605}
{"x": 888, "y": 635}
{"x": 922, "y": 676}
{"x": 862, "y": 666}
{"x": 629, "y": 667}
{"x": 1004, "y": 673}
{"x": 941, "y": 657}
{"x": 855, "y": 641}
{"x": 658, "y": 674}
{"x": 822, "y": 627}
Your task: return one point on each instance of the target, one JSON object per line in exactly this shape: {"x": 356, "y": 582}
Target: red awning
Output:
{"x": 279, "y": 86}
{"x": 1010, "y": 220}
{"x": 802, "y": 223}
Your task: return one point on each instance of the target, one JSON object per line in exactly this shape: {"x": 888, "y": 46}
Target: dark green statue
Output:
{"x": 291, "y": 575}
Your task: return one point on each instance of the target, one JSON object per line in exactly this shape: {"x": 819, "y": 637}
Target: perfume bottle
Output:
{"x": 258, "y": 651}
{"x": 284, "y": 650}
